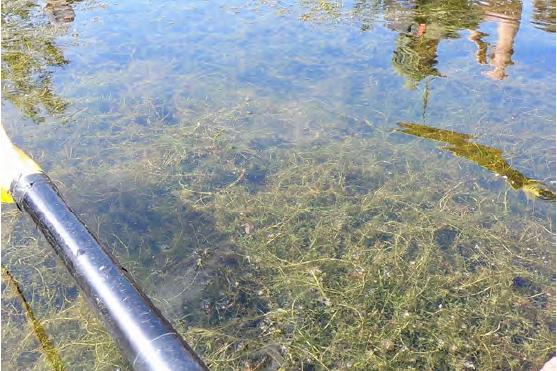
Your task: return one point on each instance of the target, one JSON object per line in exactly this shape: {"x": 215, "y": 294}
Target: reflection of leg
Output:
{"x": 476, "y": 38}
{"x": 501, "y": 57}
{"x": 497, "y": 73}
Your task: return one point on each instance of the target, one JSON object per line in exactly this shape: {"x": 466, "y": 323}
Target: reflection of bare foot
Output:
{"x": 476, "y": 38}
{"x": 497, "y": 73}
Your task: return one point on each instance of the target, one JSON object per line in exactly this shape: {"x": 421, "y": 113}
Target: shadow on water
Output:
{"x": 47, "y": 346}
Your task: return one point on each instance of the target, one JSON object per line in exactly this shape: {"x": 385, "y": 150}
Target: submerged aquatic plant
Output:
{"x": 358, "y": 264}
{"x": 487, "y": 157}
{"x": 353, "y": 261}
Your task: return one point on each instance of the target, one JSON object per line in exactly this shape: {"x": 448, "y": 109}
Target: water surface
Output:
{"x": 300, "y": 184}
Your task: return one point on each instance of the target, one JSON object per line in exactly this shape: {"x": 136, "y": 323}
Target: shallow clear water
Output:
{"x": 170, "y": 125}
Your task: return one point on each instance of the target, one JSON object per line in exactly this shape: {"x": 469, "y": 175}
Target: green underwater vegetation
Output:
{"x": 487, "y": 157}
{"x": 304, "y": 256}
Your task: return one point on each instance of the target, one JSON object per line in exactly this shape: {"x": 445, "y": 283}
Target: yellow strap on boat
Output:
{"x": 15, "y": 163}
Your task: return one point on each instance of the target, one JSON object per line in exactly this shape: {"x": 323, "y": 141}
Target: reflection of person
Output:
{"x": 59, "y": 12}
{"x": 415, "y": 58}
{"x": 415, "y": 55}
{"x": 507, "y": 15}
{"x": 421, "y": 25}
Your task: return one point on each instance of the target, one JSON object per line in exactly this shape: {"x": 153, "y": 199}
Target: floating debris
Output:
{"x": 248, "y": 228}
{"x": 388, "y": 345}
